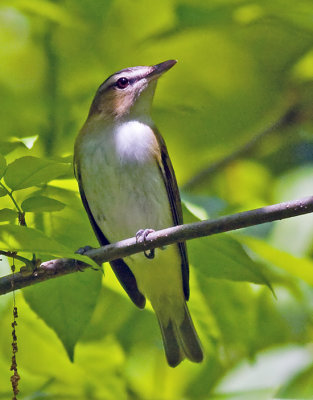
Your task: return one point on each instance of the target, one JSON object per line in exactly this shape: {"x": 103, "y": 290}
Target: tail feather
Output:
{"x": 180, "y": 339}
{"x": 189, "y": 338}
{"x": 173, "y": 352}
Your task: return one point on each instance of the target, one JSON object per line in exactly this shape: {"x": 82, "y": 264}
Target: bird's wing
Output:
{"x": 120, "y": 268}
{"x": 170, "y": 182}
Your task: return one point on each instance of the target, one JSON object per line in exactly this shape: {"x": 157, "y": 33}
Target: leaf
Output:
{"x": 50, "y": 366}
{"x": 22, "y": 238}
{"x": 113, "y": 307}
{"x": 299, "y": 267}
{"x": 8, "y": 146}
{"x": 66, "y": 304}
{"x": 234, "y": 309}
{"x": 31, "y": 171}
{"x": 202, "y": 207}
{"x": 7, "y": 214}
{"x": 223, "y": 257}
{"x": 3, "y": 165}
{"x": 42, "y": 204}
{"x": 3, "y": 192}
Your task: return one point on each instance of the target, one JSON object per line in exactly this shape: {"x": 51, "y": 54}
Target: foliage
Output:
{"x": 242, "y": 65}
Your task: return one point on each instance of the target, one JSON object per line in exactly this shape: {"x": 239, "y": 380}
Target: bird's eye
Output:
{"x": 122, "y": 83}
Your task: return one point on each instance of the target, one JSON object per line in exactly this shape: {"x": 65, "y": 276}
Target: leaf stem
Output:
{"x": 10, "y": 194}
{"x": 15, "y": 256}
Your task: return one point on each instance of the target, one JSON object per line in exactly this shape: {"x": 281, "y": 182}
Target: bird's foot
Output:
{"x": 82, "y": 251}
{"x": 141, "y": 236}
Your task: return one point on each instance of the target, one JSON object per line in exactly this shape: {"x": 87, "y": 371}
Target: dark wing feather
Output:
{"x": 170, "y": 182}
{"x": 120, "y": 268}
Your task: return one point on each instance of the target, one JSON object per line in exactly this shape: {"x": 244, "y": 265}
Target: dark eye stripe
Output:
{"x": 113, "y": 84}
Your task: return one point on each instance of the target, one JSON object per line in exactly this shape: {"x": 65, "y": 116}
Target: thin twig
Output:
{"x": 12, "y": 254}
{"x": 286, "y": 120}
{"x": 54, "y": 268}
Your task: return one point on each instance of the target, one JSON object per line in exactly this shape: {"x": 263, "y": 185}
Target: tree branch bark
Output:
{"x": 59, "y": 267}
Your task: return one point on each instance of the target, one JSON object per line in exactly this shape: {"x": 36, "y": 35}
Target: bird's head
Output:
{"x": 129, "y": 91}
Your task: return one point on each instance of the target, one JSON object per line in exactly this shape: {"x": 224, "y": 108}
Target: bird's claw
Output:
{"x": 141, "y": 236}
{"x": 83, "y": 250}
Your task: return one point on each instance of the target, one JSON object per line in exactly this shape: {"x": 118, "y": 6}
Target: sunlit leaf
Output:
{"x": 55, "y": 373}
{"x": 21, "y": 238}
{"x": 41, "y": 204}
{"x": 66, "y": 304}
{"x": 31, "y": 171}
{"x": 299, "y": 267}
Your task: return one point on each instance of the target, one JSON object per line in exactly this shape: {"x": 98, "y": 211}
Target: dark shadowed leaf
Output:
{"x": 3, "y": 192}
{"x": 3, "y": 165}
{"x": 222, "y": 257}
{"x": 8, "y": 146}
{"x": 41, "y": 204}
{"x": 7, "y": 214}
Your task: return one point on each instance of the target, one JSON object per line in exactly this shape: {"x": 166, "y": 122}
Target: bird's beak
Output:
{"x": 159, "y": 69}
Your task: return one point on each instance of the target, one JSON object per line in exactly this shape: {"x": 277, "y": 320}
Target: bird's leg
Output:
{"x": 141, "y": 236}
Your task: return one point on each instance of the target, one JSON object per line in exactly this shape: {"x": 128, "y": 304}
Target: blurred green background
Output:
{"x": 242, "y": 65}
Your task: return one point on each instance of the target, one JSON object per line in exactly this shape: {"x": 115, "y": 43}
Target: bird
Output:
{"x": 127, "y": 185}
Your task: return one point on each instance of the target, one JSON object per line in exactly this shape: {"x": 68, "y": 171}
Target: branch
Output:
{"x": 62, "y": 266}
{"x": 289, "y": 118}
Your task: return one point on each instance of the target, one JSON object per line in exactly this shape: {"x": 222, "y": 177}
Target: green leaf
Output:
{"x": 234, "y": 309}
{"x": 3, "y": 192}
{"x": 42, "y": 204}
{"x": 3, "y": 165}
{"x": 54, "y": 371}
{"x": 299, "y": 267}
{"x": 8, "y": 146}
{"x": 222, "y": 257}
{"x": 22, "y": 238}
{"x": 202, "y": 207}
{"x": 66, "y": 304}
{"x": 7, "y": 214}
{"x": 31, "y": 171}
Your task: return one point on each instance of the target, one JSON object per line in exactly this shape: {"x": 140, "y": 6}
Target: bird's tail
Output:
{"x": 180, "y": 337}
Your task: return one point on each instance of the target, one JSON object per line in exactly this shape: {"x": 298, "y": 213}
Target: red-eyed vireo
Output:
{"x": 126, "y": 181}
